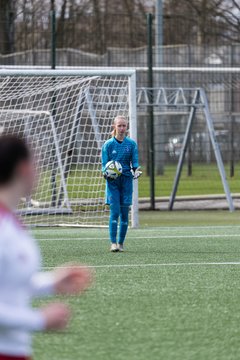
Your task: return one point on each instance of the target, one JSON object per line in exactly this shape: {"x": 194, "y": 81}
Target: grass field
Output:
{"x": 174, "y": 294}
{"x": 205, "y": 179}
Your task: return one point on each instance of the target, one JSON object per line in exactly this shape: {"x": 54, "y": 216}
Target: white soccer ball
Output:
{"x": 113, "y": 169}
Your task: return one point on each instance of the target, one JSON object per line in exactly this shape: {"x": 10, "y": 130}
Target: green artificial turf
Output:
{"x": 189, "y": 218}
{"x": 173, "y": 295}
{"x": 205, "y": 179}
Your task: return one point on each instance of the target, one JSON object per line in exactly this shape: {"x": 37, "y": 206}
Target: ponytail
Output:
{"x": 114, "y": 133}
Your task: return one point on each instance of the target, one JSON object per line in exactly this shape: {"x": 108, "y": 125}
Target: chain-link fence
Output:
{"x": 122, "y": 40}
{"x": 116, "y": 40}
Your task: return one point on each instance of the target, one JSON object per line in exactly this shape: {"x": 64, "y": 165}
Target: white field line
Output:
{"x": 152, "y": 265}
{"x": 152, "y": 229}
{"x": 205, "y": 236}
{"x": 184, "y": 228}
{"x": 140, "y": 230}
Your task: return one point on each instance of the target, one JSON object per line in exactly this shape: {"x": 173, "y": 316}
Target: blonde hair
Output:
{"x": 118, "y": 117}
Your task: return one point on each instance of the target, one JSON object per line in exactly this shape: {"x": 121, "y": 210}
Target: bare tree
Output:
{"x": 202, "y": 21}
{"x": 97, "y": 25}
{"x": 61, "y": 24}
{"x": 6, "y": 26}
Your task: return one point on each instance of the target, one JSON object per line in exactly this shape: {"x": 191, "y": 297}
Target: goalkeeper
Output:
{"x": 119, "y": 192}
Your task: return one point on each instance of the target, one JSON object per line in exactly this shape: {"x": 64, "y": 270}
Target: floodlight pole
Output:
{"x": 232, "y": 119}
{"x": 158, "y": 82}
{"x": 159, "y": 32}
{"x": 151, "y": 114}
{"x": 53, "y": 66}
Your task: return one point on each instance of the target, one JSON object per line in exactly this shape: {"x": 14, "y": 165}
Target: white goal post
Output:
{"x": 66, "y": 116}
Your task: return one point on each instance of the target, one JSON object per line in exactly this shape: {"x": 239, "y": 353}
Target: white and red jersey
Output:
{"x": 20, "y": 281}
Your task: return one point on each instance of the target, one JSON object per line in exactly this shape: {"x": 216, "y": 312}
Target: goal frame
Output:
{"x": 130, "y": 73}
{"x": 200, "y": 101}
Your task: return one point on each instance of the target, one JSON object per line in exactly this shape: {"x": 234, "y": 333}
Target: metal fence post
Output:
{"x": 53, "y": 34}
{"x": 150, "y": 112}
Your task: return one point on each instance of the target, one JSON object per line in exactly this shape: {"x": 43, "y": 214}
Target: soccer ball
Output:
{"x": 113, "y": 169}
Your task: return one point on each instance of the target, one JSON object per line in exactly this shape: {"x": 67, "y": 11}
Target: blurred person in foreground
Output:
{"x": 20, "y": 261}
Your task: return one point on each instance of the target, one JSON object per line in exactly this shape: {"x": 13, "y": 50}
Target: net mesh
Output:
{"x": 65, "y": 120}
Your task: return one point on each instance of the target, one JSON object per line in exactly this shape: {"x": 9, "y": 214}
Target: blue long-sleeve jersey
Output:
{"x": 126, "y": 152}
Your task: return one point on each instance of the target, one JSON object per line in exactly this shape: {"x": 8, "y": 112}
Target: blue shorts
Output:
{"x": 119, "y": 191}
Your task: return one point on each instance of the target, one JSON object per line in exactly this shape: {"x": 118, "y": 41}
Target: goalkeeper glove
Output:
{"x": 136, "y": 173}
{"x": 107, "y": 177}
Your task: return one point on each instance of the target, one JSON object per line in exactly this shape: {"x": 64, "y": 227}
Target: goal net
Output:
{"x": 66, "y": 116}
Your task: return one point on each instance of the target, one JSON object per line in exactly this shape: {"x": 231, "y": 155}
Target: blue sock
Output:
{"x": 124, "y": 211}
{"x": 113, "y": 222}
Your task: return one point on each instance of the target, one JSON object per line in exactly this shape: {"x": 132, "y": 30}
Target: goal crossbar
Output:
{"x": 77, "y": 72}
